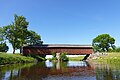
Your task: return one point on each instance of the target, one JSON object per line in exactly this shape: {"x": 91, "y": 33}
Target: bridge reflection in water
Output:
{"x": 72, "y": 70}
{"x": 48, "y": 71}
{"x": 57, "y": 69}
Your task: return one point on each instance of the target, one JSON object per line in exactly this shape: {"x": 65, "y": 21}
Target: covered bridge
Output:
{"x": 47, "y": 49}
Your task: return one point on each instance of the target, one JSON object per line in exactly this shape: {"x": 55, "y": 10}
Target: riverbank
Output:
{"x": 113, "y": 57}
{"x": 7, "y": 58}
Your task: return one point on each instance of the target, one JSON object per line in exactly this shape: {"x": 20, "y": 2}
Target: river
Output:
{"x": 72, "y": 70}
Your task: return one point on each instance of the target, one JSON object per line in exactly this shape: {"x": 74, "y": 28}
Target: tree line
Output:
{"x": 18, "y": 35}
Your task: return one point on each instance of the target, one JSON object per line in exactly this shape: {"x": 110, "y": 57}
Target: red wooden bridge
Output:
{"x": 47, "y": 49}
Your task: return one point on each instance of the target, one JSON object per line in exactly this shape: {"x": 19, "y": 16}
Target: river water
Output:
{"x": 72, "y": 70}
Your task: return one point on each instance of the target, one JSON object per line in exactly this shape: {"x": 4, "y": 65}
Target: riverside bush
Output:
{"x": 37, "y": 57}
{"x": 63, "y": 57}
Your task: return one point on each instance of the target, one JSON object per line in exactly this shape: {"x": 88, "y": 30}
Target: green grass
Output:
{"x": 6, "y": 58}
{"x": 113, "y": 57}
{"x": 76, "y": 58}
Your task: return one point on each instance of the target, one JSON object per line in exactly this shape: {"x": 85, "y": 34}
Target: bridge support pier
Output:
{"x": 87, "y": 55}
{"x": 58, "y": 65}
{"x": 58, "y": 56}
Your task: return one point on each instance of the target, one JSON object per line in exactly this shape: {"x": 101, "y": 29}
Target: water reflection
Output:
{"x": 8, "y": 72}
{"x": 71, "y": 70}
{"x": 107, "y": 72}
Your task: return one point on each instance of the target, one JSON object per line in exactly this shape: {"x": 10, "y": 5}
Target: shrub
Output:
{"x": 117, "y": 49}
{"x": 38, "y": 57}
{"x": 63, "y": 57}
{"x": 53, "y": 56}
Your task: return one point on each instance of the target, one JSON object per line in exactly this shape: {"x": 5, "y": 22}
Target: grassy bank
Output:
{"x": 6, "y": 58}
{"x": 113, "y": 57}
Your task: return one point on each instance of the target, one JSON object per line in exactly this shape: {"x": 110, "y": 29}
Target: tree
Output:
{"x": 3, "y": 45}
{"x": 1, "y": 34}
{"x": 103, "y": 42}
{"x": 16, "y": 32}
{"x": 33, "y": 38}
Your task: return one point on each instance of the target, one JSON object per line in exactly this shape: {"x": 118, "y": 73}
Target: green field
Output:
{"x": 76, "y": 58}
{"x": 112, "y": 57}
{"x": 6, "y": 58}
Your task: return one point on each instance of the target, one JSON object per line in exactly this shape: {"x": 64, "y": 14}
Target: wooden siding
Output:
{"x": 48, "y": 50}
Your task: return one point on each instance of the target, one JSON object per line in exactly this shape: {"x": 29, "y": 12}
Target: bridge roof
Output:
{"x": 63, "y": 45}
{"x": 66, "y": 45}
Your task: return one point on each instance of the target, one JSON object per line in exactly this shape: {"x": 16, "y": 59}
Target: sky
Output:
{"x": 65, "y": 21}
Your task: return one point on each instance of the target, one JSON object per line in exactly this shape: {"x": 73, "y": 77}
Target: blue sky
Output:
{"x": 66, "y": 21}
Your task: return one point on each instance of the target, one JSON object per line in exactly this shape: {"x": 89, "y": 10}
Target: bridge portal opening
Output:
{"x": 75, "y": 57}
